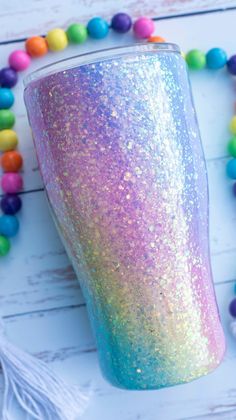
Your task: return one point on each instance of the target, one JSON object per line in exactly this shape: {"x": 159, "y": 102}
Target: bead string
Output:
{"x": 57, "y": 40}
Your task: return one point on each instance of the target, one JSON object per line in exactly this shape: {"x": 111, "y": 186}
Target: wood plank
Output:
{"x": 63, "y": 338}
{"x": 36, "y": 17}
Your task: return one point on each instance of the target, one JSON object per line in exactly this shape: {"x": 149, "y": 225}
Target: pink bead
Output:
{"x": 19, "y": 60}
{"x": 143, "y": 27}
{"x": 11, "y": 182}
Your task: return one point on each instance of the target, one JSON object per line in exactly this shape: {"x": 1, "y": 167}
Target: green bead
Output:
{"x": 196, "y": 59}
{"x": 77, "y": 33}
{"x": 4, "y": 246}
{"x": 7, "y": 119}
{"x": 232, "y": 146}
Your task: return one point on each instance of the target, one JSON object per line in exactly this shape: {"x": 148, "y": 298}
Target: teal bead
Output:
{"x": 231, "y": 169}
{"x": 97, "y": 28}
{"x": 6, "y": 98}
{"x": 216, "y": 58}
{"x": 235, "y": 288}
{"x": 9, "y": 225}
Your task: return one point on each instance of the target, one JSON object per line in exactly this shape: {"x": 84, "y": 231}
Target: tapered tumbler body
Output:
{"x": 120, "y": 154}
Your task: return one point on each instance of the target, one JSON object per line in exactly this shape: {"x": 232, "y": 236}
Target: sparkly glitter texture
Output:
{"x": 121, "y": 158}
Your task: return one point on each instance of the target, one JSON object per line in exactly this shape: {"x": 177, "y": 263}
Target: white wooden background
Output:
{"x": 39, "y": 295}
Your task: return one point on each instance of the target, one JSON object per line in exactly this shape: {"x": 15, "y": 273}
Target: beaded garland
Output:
{"x": 56, "y": 40}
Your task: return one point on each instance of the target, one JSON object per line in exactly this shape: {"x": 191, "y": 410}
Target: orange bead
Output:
{"x": 11, "y": 161}
{"x": 156, "y": 39}
{"x": 36, "y": 46}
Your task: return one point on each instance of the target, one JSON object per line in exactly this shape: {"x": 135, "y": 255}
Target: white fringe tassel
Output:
{"x": 36, "y": 387}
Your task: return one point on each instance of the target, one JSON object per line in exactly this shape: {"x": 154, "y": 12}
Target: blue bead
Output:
{"x": 97, "y": 28}
{"x": 216, "y": 58}
{"x": 6, "y": 98}
{"x": 231, "y": 169}
{"x": 9, "y": 225}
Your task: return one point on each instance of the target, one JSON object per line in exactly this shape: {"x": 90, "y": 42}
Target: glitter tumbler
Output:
{"x": 120, "y": 154}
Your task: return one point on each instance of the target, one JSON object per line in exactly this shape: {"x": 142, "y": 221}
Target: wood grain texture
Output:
{"x": 40, "y": 298}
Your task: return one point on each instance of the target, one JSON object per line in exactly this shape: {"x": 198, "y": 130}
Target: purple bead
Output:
{"x": 10, "y": 204}
{"x": 232, "y": 308}
{"x": 8, "y": 77}
{"x": 121, "y": 22}
{"x": 231, "y": 64}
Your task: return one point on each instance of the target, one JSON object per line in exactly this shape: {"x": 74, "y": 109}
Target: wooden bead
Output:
{"x": 36, "y": 46}
{"x": 155, "y": 38}
{"x": 11, "y": 161}
{"x": 57, "y": 39}
{"x": 11, "y": 183}
{"x": 8, "y": 140}
{"x": 19, "y": 60}
{"x": 232, "y": 125}
{"x": 4, "y": 246}
{"x": 196, "y": 59}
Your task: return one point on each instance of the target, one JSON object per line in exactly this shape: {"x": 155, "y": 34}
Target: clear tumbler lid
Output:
{"x": 100, "y": 55}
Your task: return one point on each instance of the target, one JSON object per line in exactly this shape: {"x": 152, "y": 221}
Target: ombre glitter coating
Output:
{"x": 121, "y": 158}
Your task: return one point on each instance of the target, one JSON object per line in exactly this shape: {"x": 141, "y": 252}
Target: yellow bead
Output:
{"x": 57, "y": 39}
{"x": 8, "y": 140}
{"x": 232, "y": 125}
